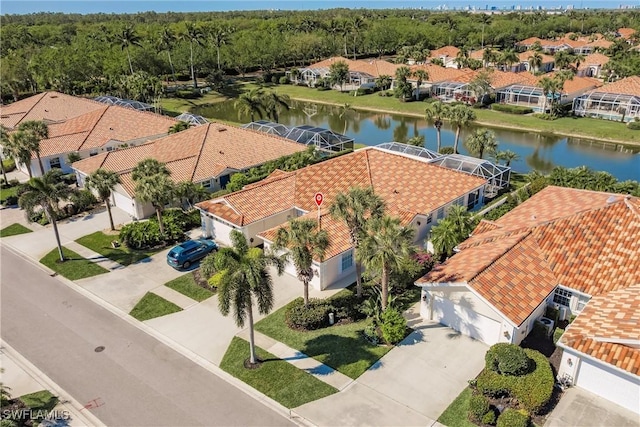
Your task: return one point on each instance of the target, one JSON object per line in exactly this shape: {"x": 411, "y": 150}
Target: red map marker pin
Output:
{"x": 319, "y": 198}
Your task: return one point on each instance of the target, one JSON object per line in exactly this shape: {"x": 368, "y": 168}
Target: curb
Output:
{"x": 201, "y": 361}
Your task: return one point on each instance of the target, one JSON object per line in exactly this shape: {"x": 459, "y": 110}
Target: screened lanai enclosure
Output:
{"x": 525, "y": 96}
{"x": 610, "y": 106}
{"x": 498, "y": 176}
{"x": 452, "y": 91}
{"x": 267, "y": 127}
{"x": 126, "y": 103}
{"x": 411, "y": 150}
{"x": 192, "y": 119}
{"x": 321, "y": 138}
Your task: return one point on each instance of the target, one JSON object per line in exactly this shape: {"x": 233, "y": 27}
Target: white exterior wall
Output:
{"x": 216, "y": 229}
{"x": 526, "y": 327}
{"x": 265, "y": 224}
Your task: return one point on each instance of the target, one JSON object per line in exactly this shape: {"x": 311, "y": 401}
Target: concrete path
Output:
{"x": 92, "y": 256}
{"x": 175, "y": 297}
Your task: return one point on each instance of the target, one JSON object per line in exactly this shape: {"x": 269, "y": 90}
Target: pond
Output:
{"x": 536, "y": 151}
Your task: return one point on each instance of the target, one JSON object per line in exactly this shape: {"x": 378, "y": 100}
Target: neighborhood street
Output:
{"x": 135, "y": 380}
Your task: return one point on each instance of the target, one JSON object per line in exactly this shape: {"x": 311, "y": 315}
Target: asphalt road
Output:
{"x": 137, "y": 380}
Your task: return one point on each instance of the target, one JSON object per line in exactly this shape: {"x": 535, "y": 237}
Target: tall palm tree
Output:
{"x": 152, "y": 184}
{"x": 179, "y": 127}
{"x": 103, "y": 182}
{"x": 194, "y": 35}
{"x": 20, "y": 147}
{"x": 128, "y": 38}
{"x": 356, "y": 25}
{"x": 4, "y": 141}
{"x": 535, "y": 61}
{"x": 250, "y": 103}
{"x": 550, "y": 88}
{"x": 481, "y": 141}
{"x": 509, "y": 57}
{"x": 384, "y": 247}
{"x": 37, "y": 131}
{"x": 273, "y": 103}
{"x": 460, "y": 116}
{"x": 435, "y": 113}
{"x": 242, "y": 278}
{"x": 45, "y": 193}
{"x": 220, "y": 36}
{"x": 166, "y": 42}
{"x": 507, "y": 156}
{"x": 420, "y": 76}
{"x": 563, "y": 58}
{"x": 355, "y": 208}
{"x": 304, "y": 242}
{"x": 489, "y": 56}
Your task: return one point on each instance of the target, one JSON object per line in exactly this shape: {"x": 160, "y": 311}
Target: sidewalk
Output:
{"x": 23, "y": 378}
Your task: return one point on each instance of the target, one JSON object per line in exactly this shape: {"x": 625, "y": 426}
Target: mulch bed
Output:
{"x": 201, "y": 281}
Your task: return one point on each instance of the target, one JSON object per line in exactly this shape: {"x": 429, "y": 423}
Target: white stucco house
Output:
{"x": 416, "y": 191}
{"x": 575, "y": 250}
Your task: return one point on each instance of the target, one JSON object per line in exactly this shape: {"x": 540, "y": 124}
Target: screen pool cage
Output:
{"x": 498, "y": 176}
{"x": 267, "y": 127}
{"x": 192, "y": 119}
{"x": 527, "y": 96}
{"x": 126, "y": 103}
{"x": 610, "y": 106}
{"x": 411, "y": 150}
{"x": 323, "y": 139}
{"x": 448, "y": 91}
{"x": 107, "y": 99}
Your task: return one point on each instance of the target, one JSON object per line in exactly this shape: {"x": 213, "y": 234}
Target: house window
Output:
{"x": 429, "y": 218}
{"x": 440, "y": 213}
{"x": 207, "y": 184}
{"x": 55, "y": 163}
{"x": 562, "y": 297}
{"x": 347, "y": 260}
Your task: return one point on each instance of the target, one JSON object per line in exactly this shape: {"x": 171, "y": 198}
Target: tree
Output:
{"x": 152, "y": 184}
{"x": 166, "y": 42}
{"x": 36, "y": 130}
{"x": 339, "y": 73}
{"x": 4, "y": 141}
{"x": 383, "y": 82}
{"x": 489, "y": 56}
{"x": 179, "y": 127}
{"x": 481, "y": 141}
{"x": 403, "y": 89}
{"x": 551, "y": 88}
{"x": 103, "y": 182}
{"x": 250, "y": 103}
{"x": 194, "y": 35}
{"x": 460, "y": 116}
{"x": 451, "y": 231}
{"x": 355, "y": 208}
{"x": 481, "y": 85}
{"x": 420, "y": 76}
{"x": 356, "y": 25}
{"x": 385, "y": 245}
{"x": 416, "y": 141}
{"x": 45, "y": 193}
{"x": 127, "y": 38}
{"x": 242, "y": 278}
{"x": 304, "y": 242}
{"x": 273, "y": 103}
{"x": 188, "y": 193}
{"x": 508, "y": 58}
{"x": 220, "y": 36}
{"x": 535, "y": 61}
{"x": 507, "y": 156}
{"x": 435, "y": 113}
{"x": 20, "y": 147}
{"x": 563, "y": 58}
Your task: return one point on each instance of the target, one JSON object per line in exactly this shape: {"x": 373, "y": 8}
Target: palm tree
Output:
{"x": 152, "y": 184}
{"x": 4, "y": 141}
{"x": 344, "y": 111}
{"x": 103, "y": 182}
{"x": 509, "y": 57}
{"x": 179, "y": 127}
{"x": 383, "y": 82}
{"x": 304, "y": 242}
{"x": 188, "y": 193}
{"x": 482, "y": 140}
{"x": 578, "y": 58}
{"x": 241, "y": 278}
{"x": 460, "y": 116}
{"x": 385, "y": 245}
{"x": 356, "y": 25}
{"x": 250, "y": 103}
{"x": 436, "y": 112}
{"x": 550, "y": 88}
{"x": 193, "y": 35}
{"x": 462, "y": 58}
{"x": 45, "y": 193}
{"x": 507, "y": 156}
{"x": 20, "y": 147}
{"x": 273, "y": 103}
{"x": 421, "y": 76}
{"x": 219, "y": 37}
{"x": 128, "y": 38}
{"x": 535, "y": 61}
{"x": 166, "y": 43}
{"x": 450, "y": 231}
{"x": 489, "y": 56}
{"x": 416, "y": 141}
{"x": 355, "y": 208}
{"x": 563, "y": 58}
{"x": 37, "y": 131}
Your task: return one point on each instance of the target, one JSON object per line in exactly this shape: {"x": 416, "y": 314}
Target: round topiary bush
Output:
{"x": 393, "y": 326}
{"x": 507, "y": 359}
{"x": 478, "y": 407}
{"x": 513, "y": 418}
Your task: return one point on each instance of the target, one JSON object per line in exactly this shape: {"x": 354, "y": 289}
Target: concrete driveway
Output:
{"x": 578, "y": 407}
{"x": 411, "y": 385}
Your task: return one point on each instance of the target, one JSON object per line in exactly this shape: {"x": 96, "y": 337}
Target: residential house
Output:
{"x": 579, "y": 45}
{"x": 447, "y": 55}
{"x": 627, "y": 34}
{"x": 460, "y": 89}
{"x": 548, "y": 62}
{"x": 207, "y": 154}
{"x": 619, "y": 101}
{"x": 398, "y": 178}
{"x": 437, "y": 74}
{"x": 361, "y": 72}
{"x": 592, "y": 65}
{"x": 562, "y": 248}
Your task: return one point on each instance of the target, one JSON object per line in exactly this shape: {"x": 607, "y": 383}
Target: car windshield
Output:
{"x": 173, "y": 254}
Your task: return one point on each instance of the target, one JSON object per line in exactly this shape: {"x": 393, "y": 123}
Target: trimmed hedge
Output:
{"x": 313, "y": 316}
{"x": 533, "y": 390}
{"x": 507, "y": 359}
{"x": 146, "y": 234}
{"x": 478, "y": 407}
{"x": 9, "y": 165}
{"x": 633, "y": 125}
{"x": 513, "y": 418}
{"x": 511, "y": 109}
{"x": 393, "y": 326}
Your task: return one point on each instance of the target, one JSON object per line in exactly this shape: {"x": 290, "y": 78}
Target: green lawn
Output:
{"x": 186, "y": 285}
{"x": 276, "y": 378}
{"x": 456, "y": 415}
{"x": 152, "y": 306}
{"x": 179, "y": 105}
{"x": 101, "y": 243}
{"x": 342, "y": 347}
{"x": 75, "y": 267}
{"x": 6, "y": 192}
{"x": 40, "y": 400}
{"x": 13, "y": 230}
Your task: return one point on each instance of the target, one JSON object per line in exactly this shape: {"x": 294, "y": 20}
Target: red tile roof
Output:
{"x": 450, "y": 51}
{"x": 500, "y": 79}
{"x": 440, "y": 74}
{"x": 626, "y": 86}
{"x": 626, "y": 33}
{"x": 605, "y": 327}
{"x": 374, "y": 67}
{"x": 593, "y": 59}
{"x": 524, "y": 57}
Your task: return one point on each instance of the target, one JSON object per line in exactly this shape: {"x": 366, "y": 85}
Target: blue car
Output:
{"x": 185, "y": 254}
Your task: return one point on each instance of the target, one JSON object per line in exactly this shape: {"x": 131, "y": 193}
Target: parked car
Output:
{"x": 185, "y": 254}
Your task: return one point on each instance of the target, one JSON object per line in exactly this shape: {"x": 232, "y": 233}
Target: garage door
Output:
{"x": 123, "y": 202}
{"x": 466, "y": 321}
{"x": 221, "y": 232}
{"x": 609, "y": 384}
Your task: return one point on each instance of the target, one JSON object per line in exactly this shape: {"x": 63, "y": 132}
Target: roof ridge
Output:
{"x": 627, "y": 201}
{"x": 93, "y": 127}
{"x": 502, "y": 254}
{"x": 204, "y": 140}
{"x": 32, "y": 107}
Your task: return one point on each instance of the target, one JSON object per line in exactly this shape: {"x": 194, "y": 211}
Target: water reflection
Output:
{"x": 536, "y": 151}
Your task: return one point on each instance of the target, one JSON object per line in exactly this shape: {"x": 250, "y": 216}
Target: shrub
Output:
{"x": 507, "y": 359}
{"x": 313, "y": 316}
{"x": 188, "y": 94}
{"x": 371, "y": 334}
{"x": 633, "y": 125}
{"x": 446, "y": 150}
{"x": 511, "y": 109}
{"x": 394, "y": 325}
{"x": 9, "y": 165}
{"x": 346, "y": 307}
{"x": 140, "y": 235}
{"x": 489, "y": 418}
{"x": 11, "y": 201}
{"x": 83, "y": 200}
{"x": 557, "y": 334}
{"x": 284, "y": 80}
{"x": 69, "y": 178}
{"x": 545, "y": 116}
{"x": 146, "y": 234}
{"x": 478, "y": 407}
{"x": 551, "y": 313}
{"x": 73, "y": 157}
{"x": 513, "y": 418}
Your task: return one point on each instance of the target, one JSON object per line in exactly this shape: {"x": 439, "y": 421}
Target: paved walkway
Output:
{"x": 92, "y": 256}
{"x": 175, "y": 297}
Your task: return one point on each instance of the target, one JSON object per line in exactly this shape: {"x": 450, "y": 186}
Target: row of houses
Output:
{"x": 581, "y": 45}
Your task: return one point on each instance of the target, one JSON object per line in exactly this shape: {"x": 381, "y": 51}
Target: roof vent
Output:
{"x": 54, "y": 96}
{"x": 221, "y": 152}
{"x": 5, "y": 116}
{"x": 611, "y": 199}
{"x": 533, "y": 217}
{"x": 222, "y": 129}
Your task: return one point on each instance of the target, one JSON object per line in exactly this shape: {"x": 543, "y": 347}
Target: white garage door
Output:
{"x": 609, "y": 384}
{"x": 124, "y": 202}
{"x": 466, "y": 321}
{"x": 221, "y": 232}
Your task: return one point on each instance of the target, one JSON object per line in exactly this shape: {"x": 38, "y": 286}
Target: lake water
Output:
{"x": 536, "y": 151}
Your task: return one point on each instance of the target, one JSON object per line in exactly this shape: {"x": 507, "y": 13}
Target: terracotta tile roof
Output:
{"x": 580, "y": 84}
{"x": 450, "y": 51}
{"x": 440, "y": 74}
{"x": 605, "y": 44}
{"x": 626, "y": 33}
{"x": 48, "y": 106}
{"x": 326, "y": 63}
{"x": 587, "y": 239}
{"x": 500, "y": 79}
{"x": 610, "y": 317}
{"x": 477, "y": 54}
{"x": 374, "y": 67}
{"x": 626, "y": 86}
{"x": 108, "y": 123}
{"x": 529, "y": 41}
{"x": 524, "y": 57}
{"x": 593, "y": 59}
